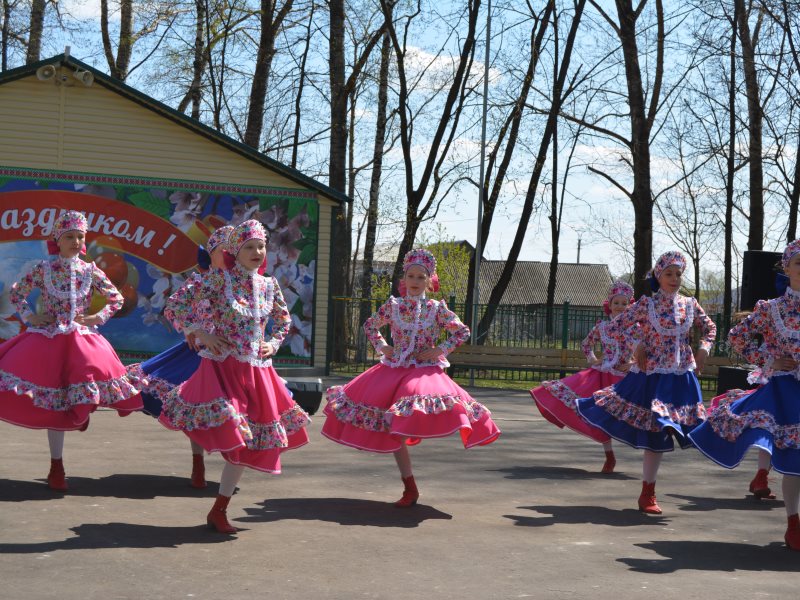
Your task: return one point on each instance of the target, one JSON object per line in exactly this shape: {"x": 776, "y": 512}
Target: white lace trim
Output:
{"x": 608, "y": 342}
{"x": 61, "y": 330}
{"x": 245, "y": 358}
{"x": 258, "y": 310}
{"x": 604, "y": 368}
{"x": 788, "y": 334}
{"x": 663, "y": 370}
{"x": 411, "y": 328}
{"x": 680, "y": 328}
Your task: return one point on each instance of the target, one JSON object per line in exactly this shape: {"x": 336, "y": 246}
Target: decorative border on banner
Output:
{"x": 194, "y": 186}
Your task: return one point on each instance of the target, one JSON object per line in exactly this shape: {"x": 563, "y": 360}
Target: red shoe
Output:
{"x": 56, "y": 478}
{"x": 198, "y": 472}
{"x": 647, "y": 499}
{"x": 218, "y": 518}
{"x": 410, "y": 493}
{"x": 792, "y": 536}
{"x": 760, "y": 485}
{"x": 611, "y": 462}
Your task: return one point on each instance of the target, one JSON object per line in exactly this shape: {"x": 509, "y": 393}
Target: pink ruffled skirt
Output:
{"x": 556, "y": 400}
{"x": 57, "y": 382}
{"x": 384, "y": 406}
{"x": 244, "y": 412}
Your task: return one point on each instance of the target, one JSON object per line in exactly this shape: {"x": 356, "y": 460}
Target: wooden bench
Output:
{"x": 542, "y": 359}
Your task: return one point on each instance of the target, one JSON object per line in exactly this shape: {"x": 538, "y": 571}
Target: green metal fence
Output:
{"x": 528, "y": 326}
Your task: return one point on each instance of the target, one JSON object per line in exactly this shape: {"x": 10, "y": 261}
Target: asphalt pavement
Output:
{"x": 529, "y": 516}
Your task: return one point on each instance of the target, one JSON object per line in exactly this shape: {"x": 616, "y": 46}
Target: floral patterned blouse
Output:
{"x": 66, "y": 285}
{"x": 239, "y": 303}
{"x": 617, "y": 351}
{"x": 664, "y": 323}
{"x": 770, "y": 332}
{"x": 415, "y": 323}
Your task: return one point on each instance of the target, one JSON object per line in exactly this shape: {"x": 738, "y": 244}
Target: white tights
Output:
{"x": 231, "y": 474}
{"x": 764, "y": 459}
{"x": 403, "y": 459}
{"x": 650, "y": 464}
{"x": 791, "y": 494}
{"x": 56, "y": 441}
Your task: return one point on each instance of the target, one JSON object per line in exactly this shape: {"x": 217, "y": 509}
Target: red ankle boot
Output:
{"x": 218, "y": 518}
{"x": 198, "y": 472}
{"x": 56, "y": 478}
{"x": 611, "y": 462}
{"x": 760, "y": 485}
{"x": 410, "y": 493}
{"x": 647, "y": 499}
{"x": 792, "y": 536}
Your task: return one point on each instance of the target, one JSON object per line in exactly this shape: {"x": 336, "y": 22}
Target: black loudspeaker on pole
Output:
{"x": 758, "y": 277}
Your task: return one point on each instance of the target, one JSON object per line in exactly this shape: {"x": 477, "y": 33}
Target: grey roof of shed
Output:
{"x": 581, "y": 284}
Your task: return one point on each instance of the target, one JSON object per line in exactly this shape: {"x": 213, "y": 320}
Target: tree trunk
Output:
{"x": 511, "y": 125}
{"x": 641, "y": 124}
{"x": 118, "y": 67}
{"x": 375, "y": 179}
{"x": 727, "y": 299}
{"x": 500, "y": 287}
{"x": 35, "y": 32}
{"x": 270, "y": 25}
{"x": 6, "y": 33}
{"x": 755, "y": 238}
{"x": 337, "y": 167}
{"x": 195, "y": 95}
{"x": 555, "y": 223}
{"x": 794, "y": 196}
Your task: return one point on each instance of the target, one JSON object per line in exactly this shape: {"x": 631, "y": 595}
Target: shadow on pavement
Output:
{"x": 93, "y": 536}
{"x": 544, "y": 472}
{"x": 596, "y": 515}
{"x": 345, "y": 511}
{"x": 715, "y": 556}
{"x": 749, "y": 502}
{"x": 134, "y": 487}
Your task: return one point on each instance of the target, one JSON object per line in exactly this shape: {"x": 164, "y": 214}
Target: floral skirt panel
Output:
{"x": 646, "y": 411}
{"x": 767, "y": 418}
{"x": 244, "y": 412}
{"x": 163, "y": 372}
{"x": 556, "y": 400}
{"x": 57, "y": 382}
{"x": 385, "y": 406}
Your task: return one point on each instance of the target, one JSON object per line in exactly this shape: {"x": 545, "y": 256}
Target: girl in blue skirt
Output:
{"x": 660, "y": 397}
{"x": 769, "y": 417}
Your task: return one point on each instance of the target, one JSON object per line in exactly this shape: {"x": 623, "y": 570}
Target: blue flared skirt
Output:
{"x": 164, "y": 372}
{"x": 767, "y": 418}
{"x": 647, "y": 410}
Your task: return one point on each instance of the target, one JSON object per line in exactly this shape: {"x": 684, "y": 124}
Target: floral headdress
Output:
{"x": 70, "y": 220}
{"x": 791, "y": 249}
{"x": 420, "y": 257}
{"x": 669, "y": 259}
{"x": 220, "y": 236}
{"x": 243, "y": 232}
{"x": 618, "y": 288}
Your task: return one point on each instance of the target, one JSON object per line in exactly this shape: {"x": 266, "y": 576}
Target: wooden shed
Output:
{"x": 154, "y": 184}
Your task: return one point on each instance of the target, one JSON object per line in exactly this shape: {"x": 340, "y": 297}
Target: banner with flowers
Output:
{"x": 146, "y": 233}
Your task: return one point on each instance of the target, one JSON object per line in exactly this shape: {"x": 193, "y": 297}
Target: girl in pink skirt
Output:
{"x": 408, "y": 396}
{"x": 59, "y": 370}
{"x": 556, "y": 399}
{"x": 235, "y": 403}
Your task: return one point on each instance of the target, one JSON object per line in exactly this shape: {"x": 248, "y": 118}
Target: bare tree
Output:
{"x": 35, "y": 31}
{"x": 560, "y": 92}
{"x": 423, "y": 192}
{"x": 272, "y": 19}
{"x": 748, "y": 41}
